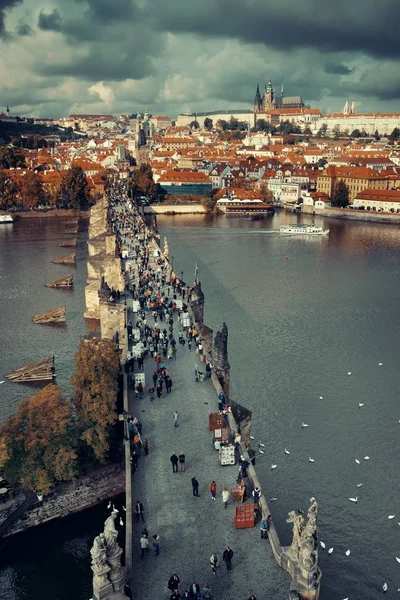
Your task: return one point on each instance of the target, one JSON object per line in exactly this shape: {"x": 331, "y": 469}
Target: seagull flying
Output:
{"x": 322, "y": 544}
{"x": 330, "y": 550}
{"x": 310, "y": 459}
{"x": 354, "y": 499}
{"x": 286, "y": 451}
{"x": 391, "y": 516}
{"x": 347, "y": 553}
{"x": 360, "y": 404}
{"x": 273, "y": 467}
{"x": 305, "y": 425}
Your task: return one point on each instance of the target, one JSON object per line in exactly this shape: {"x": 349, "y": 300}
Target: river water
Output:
{"x": 301, "y": 313}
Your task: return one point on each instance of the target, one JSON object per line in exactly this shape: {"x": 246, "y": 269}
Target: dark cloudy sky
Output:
{"x": 169, "y": 56}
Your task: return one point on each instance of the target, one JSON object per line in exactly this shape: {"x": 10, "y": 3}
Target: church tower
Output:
{"x": 269, "y": 97}
{"x": 257, "y": 100}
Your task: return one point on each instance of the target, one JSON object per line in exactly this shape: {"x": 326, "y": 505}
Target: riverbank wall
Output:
{"x": 190, "y": 208}
{"x": 353, "y": 215}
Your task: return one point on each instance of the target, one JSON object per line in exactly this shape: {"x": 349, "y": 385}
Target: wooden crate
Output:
{"x": 245, "y": 516}
{"x": 215, "y": 421}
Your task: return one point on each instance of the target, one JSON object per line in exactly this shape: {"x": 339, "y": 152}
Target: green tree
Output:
{"x": 336, "y": 132}
{"x": 340, "y": 195}
{"x": 74, "y": 191}
{"x": 208, "y": 124}
{"x": 8, "y": 191}
{"x": 286, "y": 128}
{"x": 222, "y": 124}
{"x": 322, "y": 130}
{"x": 96, "y": 385}
{"x": 376, "y": 135}
{"x": 194, "y": 125}
{"x": 11, "y": 158}
{"x": 322, "y": 162}
{"x": 356, "y": 133}
{"x": 266, "y": 194}
{"x": 394, "y": 136}
{"x": 37, "y": 443}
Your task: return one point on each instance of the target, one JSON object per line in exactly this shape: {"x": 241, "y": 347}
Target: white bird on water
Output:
{"x": 366, "y": 457}
{"x": 121, "y": 521}
{"x": 357, "y": 461}
{"x": 397, "y": 558}
{"x": 310, "y": 459}
{"x": 260, "y": 451}
{"x": 347, "y": 553}
{"x": 380, "y": 364}
{"x": 109, "y": 505}
{"x": 322, "y": 544}
{"x": 360, "y": 405}
{"x": 354, "y": 499}
{"x": 252, "y": 437}
{"x": 273, "y": 467}
{"x": 348, "y": 372}
{"x": 385, "y": 587}
{"x": 321, "y": 397}
{"x": 1, "y": 381}
{"x": 391, "y": 516}
{"x": 286, "y": 451}
{"x": 330, "y": 550}
{"x": 304, "y": 425}
{"x": 262, "y": 445}
{"x": 359, "y": 484}
{"x": 273, "y": 499}
{"x": 123, "y": 508}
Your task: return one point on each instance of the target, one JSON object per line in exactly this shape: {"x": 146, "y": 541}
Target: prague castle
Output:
{"x": 269, "y": 100}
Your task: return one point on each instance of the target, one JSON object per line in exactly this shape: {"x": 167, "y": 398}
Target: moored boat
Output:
{"x": 5, "y": 219}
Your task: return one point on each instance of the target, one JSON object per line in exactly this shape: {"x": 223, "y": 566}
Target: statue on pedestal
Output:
{"x": 298, "y": 528}
{"x": 110, "y": 533}
{"x": 98, "y": 553}
{"x": 308, "y": 554}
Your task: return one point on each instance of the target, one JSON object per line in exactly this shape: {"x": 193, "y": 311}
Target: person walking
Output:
{"x": 174, "y": 460}
{"x": 156, "y": 544}
{"x": 213, "y": 489}
{"x": 206, "y": 594}
{"x": 182, "y": 459}
{"x": 173, "y": 582}
{"x": 243, "y": 466}
{"x": 175, "y": 595}
{"x": 194, "y": 591}
{"x": 256, "y": 493}
{"x": 189, "y": 343}
{"x": 264, "y": 528}
{"x": 144, "y": 545}
{"x": 214, "y": 562}
{"x": 159, "y": 390}
{"x": 225, "y": 496}
{"x": 168, "y": 384}
{"x": 139, "y": 511}
{"x": 176, "y": 418}
{"x": 195, "y": 487}
{"x": 227, "y": 558}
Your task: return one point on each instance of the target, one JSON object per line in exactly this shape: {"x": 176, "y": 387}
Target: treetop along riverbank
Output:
{"x": 51, "y": 439}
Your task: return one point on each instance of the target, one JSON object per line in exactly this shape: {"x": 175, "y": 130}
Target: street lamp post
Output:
{"x": 172, "y": 262}
{"x": 182, "y": 276}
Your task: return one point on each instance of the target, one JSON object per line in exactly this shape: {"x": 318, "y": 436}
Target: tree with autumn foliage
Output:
{"x": 74, "y": 191}
{"x": 141, "y": 183}
{"x": 8, "y": 190}
{"x": 11, "y": 158}
{"x": 31, "y": 190}
{"x": 38, "y": 442}
{"x": 96, "y": 386}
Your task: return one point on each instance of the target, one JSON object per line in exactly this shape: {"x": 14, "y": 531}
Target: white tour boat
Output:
{"x": 302, "y": 229}
{"x": 6, "y": 219}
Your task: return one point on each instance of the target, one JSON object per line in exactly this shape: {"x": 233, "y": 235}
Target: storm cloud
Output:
{"x": 184, "y": 55}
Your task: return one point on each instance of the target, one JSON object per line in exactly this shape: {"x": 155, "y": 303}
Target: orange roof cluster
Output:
{"x": 379, "y": 195}
{"x": 351, "y": 172}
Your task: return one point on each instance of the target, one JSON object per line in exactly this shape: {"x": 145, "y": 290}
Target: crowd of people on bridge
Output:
{"x": 157, "y": 296}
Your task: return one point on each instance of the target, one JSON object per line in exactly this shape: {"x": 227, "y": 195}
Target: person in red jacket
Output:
{"x": 213, "y": 489}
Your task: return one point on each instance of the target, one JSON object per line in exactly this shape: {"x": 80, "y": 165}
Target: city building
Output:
{"x": 357, "y": 179}
{"x": 378, "y": 200}
{"x": 269, "y": 100}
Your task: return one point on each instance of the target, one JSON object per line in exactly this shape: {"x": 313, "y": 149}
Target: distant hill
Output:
{"x": 10, "y": 132}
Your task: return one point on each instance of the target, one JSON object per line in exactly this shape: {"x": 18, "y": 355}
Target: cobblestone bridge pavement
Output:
{"x": 192, "y": 529}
